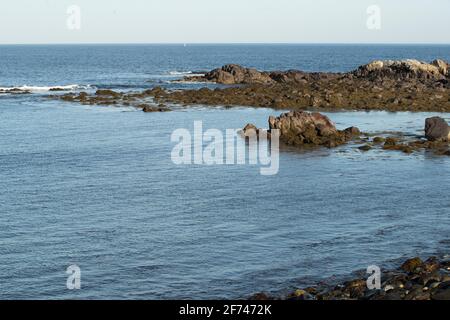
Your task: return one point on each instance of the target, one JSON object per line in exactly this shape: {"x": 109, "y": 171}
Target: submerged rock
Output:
{"x": 437, "y": 129}
{"x": 366, "y": 147}
{"x": 150, "y": 108}
{"x": 108, "y": 93}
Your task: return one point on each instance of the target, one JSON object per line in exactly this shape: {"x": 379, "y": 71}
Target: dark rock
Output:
{"x": 291, "y": 76}
{"x": 443, "y": 292}
{"x": 412, "y": 265}
{"x": 352, "y": 132}
{"x": 356, "y": 288}
{"x": 149, "y": 108}
{"x": 391, "y": 141}
{"x": 366, "y": 147}
{"x": 108, "y": 93}
{"x": 392, "y": 295}
{"x": 428, "y": 278}
{"x": 379, "y": 140}
{"x": 235, "y": 74}
{"x": 431, "y": 265}
{"x": 260, "y": 297}
{"x": 437, "y": 129}
{"x": 300, "y": 295}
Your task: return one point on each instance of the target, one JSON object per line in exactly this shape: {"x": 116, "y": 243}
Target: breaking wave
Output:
{"x": 186, "y": 73}
{"x": 37, "y": 89}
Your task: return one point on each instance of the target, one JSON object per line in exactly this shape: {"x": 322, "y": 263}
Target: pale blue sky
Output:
{"x": 225, "y": 21}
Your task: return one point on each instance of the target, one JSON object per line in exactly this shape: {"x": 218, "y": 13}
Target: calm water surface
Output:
{"x": 95, "y": 186}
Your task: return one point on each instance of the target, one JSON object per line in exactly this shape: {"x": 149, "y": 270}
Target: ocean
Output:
{"x": 95, "y": 186}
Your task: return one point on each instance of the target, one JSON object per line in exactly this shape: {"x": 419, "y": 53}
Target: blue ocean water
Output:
{"x": 96, "y": 187}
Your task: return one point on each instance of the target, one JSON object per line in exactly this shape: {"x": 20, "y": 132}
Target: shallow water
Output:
{"x": 96, "y": 187}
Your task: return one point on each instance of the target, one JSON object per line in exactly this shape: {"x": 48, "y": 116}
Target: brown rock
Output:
{"x": 412, "y": 265}
{"x": 431, "y": 265}
{"x": 149, "y": 108}
{"x": 108, "y": 93}
{"x": 437, "y": 129}
{"x": 304, "y": 128}
{"x": 235, "y": 74}
{"x": 249, "y": 130}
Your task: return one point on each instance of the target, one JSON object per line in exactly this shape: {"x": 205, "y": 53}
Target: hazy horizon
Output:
{"x": 230, "y": 22}
{"x": 233, "y": 43}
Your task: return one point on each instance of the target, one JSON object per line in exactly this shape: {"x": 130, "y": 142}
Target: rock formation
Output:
{"x": 406, "y": 85}
{"x": 304, "y": 128}
{"x": 437, "y": 129}
{"x": 376, "y": 70}
{"x": 235, "y": 74}
{"x": 403, "y": 69}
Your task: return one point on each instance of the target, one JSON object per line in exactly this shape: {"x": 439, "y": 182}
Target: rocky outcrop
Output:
{"x": 403, "y": 69}
{"x": 108, "y": 93}
{"x": 301, "y": 128}
{"x": 407, "y": 85}
{"x": 235, "y": 74}
{"x": 376, "y": 70}
{"x": 437, "y": 129}
{"x": 404, "y": 85}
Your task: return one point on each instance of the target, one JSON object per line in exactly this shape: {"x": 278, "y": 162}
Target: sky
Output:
{"x": 224, "y": 21}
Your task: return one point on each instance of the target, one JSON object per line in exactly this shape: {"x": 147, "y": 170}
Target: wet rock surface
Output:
{"x": 414, "y": 280}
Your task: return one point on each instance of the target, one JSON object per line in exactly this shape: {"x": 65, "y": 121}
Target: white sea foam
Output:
{"x": 179, "y": 73}
{"x": 185, "y": 73}
{"x": 26, "y": 88}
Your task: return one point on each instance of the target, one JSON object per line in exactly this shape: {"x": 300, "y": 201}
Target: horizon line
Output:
{"x": 225, "y": 43}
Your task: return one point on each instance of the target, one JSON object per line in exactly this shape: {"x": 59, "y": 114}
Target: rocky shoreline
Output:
{"x": 415, "y": 279}
{"x": 406, "y": 85}
{"x": 140, "y": 100}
